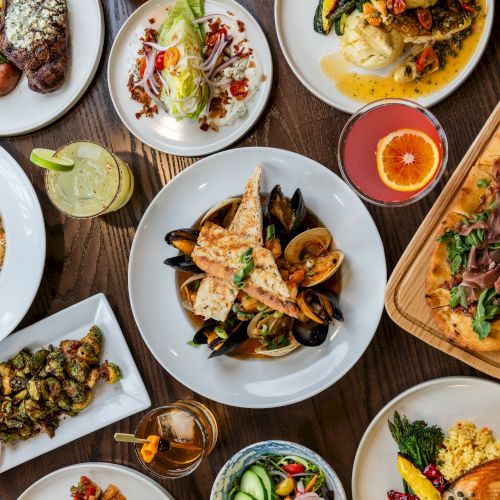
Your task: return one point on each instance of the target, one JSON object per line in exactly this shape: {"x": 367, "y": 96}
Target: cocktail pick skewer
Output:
{"x": 164, "y": 445}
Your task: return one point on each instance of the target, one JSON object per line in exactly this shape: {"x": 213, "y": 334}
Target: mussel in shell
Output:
{"x": 288, "y": 214}
{"x": 222, "y": 213}
{"x": 182, "y": 263}
{"x": 310, "y": 333}
{"x": 183, "y": 239}
{"x": 320, "y": 306}
{"x": 221, "y": 338}
{"x": 315, "y": 250}
{"x": 188, "y": 291}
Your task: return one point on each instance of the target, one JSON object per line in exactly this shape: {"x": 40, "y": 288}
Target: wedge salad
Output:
{"x": 195, "y": 67}
{"x": 281, "y": 477}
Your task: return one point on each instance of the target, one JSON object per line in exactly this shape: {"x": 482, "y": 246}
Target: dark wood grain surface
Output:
{"x": 86, "y": 257}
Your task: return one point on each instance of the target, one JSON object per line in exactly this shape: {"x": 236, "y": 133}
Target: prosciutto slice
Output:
{"x": 464, "y": 229}
{"x": 480, "y": 279}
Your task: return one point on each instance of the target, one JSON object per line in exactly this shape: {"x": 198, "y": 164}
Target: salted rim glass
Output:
{"x": 180, "y": 405}
{"x": 360, "y": 114}
{"x": 115, "y": 165}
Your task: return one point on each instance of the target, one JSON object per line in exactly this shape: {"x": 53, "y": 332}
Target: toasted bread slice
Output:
{"x": 481, "y": 483}
{"x": 218, "y": 253}
{"x": 215, "y": 297}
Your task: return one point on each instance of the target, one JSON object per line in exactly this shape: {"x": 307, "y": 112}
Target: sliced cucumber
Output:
{"x": 252, "y": 485}
{"x": 265, "y": 478}
{"x": 340, "y": 24}
{"x": 243, "y": 496}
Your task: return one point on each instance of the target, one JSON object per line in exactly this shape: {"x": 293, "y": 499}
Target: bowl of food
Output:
{"x": 277, "y": 469}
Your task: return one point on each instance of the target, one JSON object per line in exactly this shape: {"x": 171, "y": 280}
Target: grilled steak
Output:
{"x": 34, "y": 36}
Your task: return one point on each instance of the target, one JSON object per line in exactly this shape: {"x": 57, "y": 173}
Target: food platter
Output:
{"x": 164, "y": 132}
{"x": 23, "y": 110}
{"x": 131, "y": 483}
{"x": 24, "y": 227}
{"x": 303, "y": 54}
{"x": 288, "y": 379}
{"x": 442, "y": 402}
{"x": 110, "y": 403}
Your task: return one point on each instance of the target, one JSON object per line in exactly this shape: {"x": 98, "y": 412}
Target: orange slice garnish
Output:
{"x": 407, "y": 160}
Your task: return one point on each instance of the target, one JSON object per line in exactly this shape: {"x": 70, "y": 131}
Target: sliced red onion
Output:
{"x": 216, "y": 57}
{"x": 227, "y": 63}
{"x": 211, "y": 16}
{"x": 218, "y": 43}
{"x": 278, "y": 473}
{"x": 299, "y": 474}
{"x": 300, "y": 487}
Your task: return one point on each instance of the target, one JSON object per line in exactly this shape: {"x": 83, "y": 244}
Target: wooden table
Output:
{"x": 86, "y": 257}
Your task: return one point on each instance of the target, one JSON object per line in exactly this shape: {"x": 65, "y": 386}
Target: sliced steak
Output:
{"x": 34, "y": 36}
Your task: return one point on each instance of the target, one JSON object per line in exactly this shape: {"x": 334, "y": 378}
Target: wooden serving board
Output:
{"x": 405, "y": 294}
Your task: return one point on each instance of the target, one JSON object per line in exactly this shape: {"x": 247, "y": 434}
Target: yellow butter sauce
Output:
{"x": 367, "y": 87}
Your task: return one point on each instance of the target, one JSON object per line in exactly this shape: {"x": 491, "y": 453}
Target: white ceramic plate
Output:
{"x": 25, "y": 235}
{"x": 110, "y": 403}
{"x": 23, "y": 110}
{"x": 131, "y": 484}
{"x": 162, "y": 132}
{"x": 304, "y": 52}
{"x": 441, "y": 402}
{"x": 262, "y": 383}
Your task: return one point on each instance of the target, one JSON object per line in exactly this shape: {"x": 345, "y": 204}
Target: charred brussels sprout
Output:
{"x": 72, "y": 388}
{"x": 38, "y": 361}
{"x": 86, "y": 353}
{"x": 79, "y": 370}
{"x": 95, "y": 373}
{"x": 18, "y": 383}
{"x": 33, "y": 410}
{"x": 110, "y": 372}
{"x": 55, "y": 363}
{"x": 64, "y": 402}
{"x": 94, "y": 339}
{"x": 82, "y": 402}
{"x": 22, "y": 360}
{"x": 69, "y": 347}
{"x": 54, "y": 387}
{"x": 37, "y": 389}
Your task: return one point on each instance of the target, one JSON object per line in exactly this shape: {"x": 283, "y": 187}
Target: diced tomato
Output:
{"x": 397, "y": 6}
{"x": 294, "y": 468}
{"x": 465, "y": 6}
{"x": 212, "y": 39}
{"x": 239, "y": 89}
{"x": 424, "y": 18}
{"x": 142, "y": 67}
{"x": 160, "y": 61}
{"x": 428, "y": 57}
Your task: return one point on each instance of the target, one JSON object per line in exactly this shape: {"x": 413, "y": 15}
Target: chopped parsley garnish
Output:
{"x": 246, "y": 260}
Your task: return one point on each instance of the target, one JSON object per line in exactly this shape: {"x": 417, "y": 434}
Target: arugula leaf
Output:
{"x": 482, "y": 183}
{"x": 457, "y": 296}
{"x": 481, "y": 327}
{"x": 457, "y": 248}
{"x": 485, "y": 312}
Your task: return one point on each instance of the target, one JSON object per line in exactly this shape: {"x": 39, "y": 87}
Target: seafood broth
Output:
{"x": 247, "y": 348}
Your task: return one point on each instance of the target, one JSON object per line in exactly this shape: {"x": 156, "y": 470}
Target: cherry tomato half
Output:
{"x": 160, "y": 61}
{"x": 239, "y": 89}
{"x": 212, "y": 39}
{"x": 398, "y": 6}
{"x": 294, "y": 468}
{"x": 428, "y": 57}
{"x": 424, "y": 18}
{"x": 142, "y": 67}
{"x": 465, "y": 6}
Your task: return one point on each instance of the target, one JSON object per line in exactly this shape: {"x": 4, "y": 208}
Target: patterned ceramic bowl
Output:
{"x": 236, "y": 465}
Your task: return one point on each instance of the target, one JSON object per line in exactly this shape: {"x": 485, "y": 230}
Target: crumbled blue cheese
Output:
{"x": 32, "y": 21}
{"x": 237, "y": 70}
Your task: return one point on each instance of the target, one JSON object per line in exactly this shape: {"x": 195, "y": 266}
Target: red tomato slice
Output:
{"x": 239, "y": 89}
{"x": 160, "y": 61}
{"x": 212, "y": 39}
{"x": 427, "y": 58}
{"x": 424, "y": 18}
{"x": 294, "y": 468}
{"x": 465, "y": 6}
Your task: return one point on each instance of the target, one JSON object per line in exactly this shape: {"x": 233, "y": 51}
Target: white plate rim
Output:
{"x": 244, "y": 125}
{"x": 205, "y": 163}
{"x": 98, "y": 465}
{"x": 77, "y": 96}
{"x": 459, "y": 379}
{"x": 354, "y": 106}
{"x": 39, "y": 221}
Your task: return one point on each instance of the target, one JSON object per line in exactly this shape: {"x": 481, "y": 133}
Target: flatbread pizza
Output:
{"x": 463, "y": 278}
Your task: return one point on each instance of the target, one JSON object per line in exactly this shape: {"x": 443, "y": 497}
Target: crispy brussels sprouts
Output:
{"x": 79, "y": 370}
{"x": 110, "y": 372}
{"x": 38, "y": 361}
{"x": 35, "y": 389}
{"x": 82, "y": 402}
{"x": 55, "y": 363}
{"x": 86, "y": 353}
